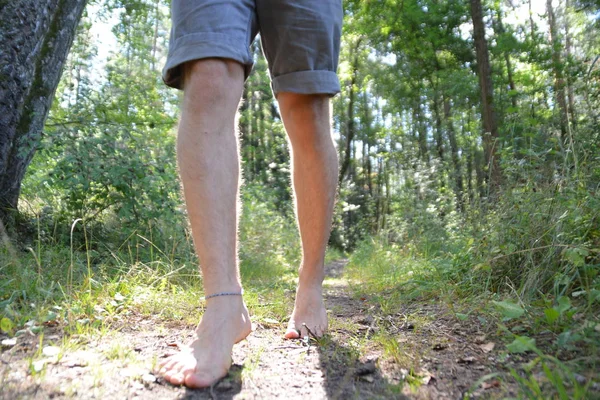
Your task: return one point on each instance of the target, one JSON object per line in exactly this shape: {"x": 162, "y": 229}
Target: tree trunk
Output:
{"x": 439, "y": 138}
{"x": 568, "y": 47}
{"x": 531, "y": 23}
{"x": 490, "y": 126}
{"x": 470, "y": 176}
{"x": 421, "y": 131}
{"x": 350, "y": 128}
{"x": 557, "y": 66}
{"x": 457, "y": 173}
{"x": 509, "y": 75}
{"x": 35, "y": 38}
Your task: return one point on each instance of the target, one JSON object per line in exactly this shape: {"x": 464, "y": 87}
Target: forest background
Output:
{"x": 469, "y": 145}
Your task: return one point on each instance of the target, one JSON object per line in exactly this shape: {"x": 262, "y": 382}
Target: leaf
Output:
{"x": 462, "y": 317}
{"x": 6, "y": 325}
{"x": 521, "y": 344}
{"x": 576, "y": 256}
{"x": 51, "y": 316}
{"x": 509, "y": 310}
{"x": 551, "y": 315}
{"x": 51, "y": 351}
{"x": 9, "y": 342}
{"x": 563, "y": 304}
{"x": 492, "y": 384}
{"x": 486, "y": 348}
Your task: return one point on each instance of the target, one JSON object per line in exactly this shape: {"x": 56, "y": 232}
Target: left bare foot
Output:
{"x": 208, "y": 358}
{"x": 309, "y": 309}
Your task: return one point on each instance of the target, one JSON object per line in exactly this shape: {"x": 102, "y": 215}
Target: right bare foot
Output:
{"x": 309, "y": 311}
{"x": 208, "y": 358}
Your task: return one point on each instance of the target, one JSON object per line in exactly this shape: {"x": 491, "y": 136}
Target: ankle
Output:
{"x": 311, "y": 277}
{"x": 225, "y": 303}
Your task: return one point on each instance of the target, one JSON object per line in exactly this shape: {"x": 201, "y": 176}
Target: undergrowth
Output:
{"x": 529, "y": 266}
{"x": 88, "y": 277}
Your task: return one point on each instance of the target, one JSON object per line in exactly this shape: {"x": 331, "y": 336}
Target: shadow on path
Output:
{"x": 226, "y": 389}
{"x": 347, "y": 373}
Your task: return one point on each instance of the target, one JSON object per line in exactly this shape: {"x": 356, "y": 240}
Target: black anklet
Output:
{"x": 224, "y": 294}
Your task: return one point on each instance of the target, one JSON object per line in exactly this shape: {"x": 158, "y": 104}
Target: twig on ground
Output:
{"x": 311, "y": 333}
{"x": 288, "y": 347}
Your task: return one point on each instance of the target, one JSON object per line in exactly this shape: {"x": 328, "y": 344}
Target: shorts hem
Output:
{"x": 199, "y": 46}
{"x": 307, "y": 82}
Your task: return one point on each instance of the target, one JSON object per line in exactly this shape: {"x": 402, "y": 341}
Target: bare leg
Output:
{"x": 207, "y": 152}
{"x": 314, "y": 175}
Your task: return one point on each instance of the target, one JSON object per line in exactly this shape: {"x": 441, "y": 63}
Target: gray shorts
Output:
{"x": 300, "y": 39}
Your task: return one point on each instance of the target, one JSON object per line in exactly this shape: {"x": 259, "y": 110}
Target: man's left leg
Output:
{"x": 314, "y": 176}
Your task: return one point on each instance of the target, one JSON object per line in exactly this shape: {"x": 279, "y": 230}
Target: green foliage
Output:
{"x": 521, "y": 344}
{"x": 109, "y": 147}
{"x": 415, "y": 205}
{"x": 509, "y": 310}
{"x": 269, "y": 243}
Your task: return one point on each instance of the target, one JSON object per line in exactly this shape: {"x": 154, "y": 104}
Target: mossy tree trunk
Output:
{"x": 35, "y": 38}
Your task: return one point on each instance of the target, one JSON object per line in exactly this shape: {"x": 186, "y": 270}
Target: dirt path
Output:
{"x": 418, "y": 354}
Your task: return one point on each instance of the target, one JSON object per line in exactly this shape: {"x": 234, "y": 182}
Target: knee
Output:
{"x": 315, "y": 107}
{"x": 213, "y": 79}
{"x": 307, "y": 121}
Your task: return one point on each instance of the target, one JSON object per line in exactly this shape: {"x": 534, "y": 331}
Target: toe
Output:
{"x": 177, "y": 379}
{"x": 199, "y": 381}
{"x": 292, "y": 333}
{"x": 168, "y": 365}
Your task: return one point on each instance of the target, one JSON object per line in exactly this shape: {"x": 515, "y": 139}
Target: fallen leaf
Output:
{"x": 271, "y": 321}
{"x": 466, "y": 360}
{"x": 147, "y": 379}
{"x": 74, "y": 363}
{"x": 9, "y": 342}
{"x": 50, "y": 351}
{"x": 38, "y": 365}
{"x": 490, "y": 384}
{"x": 427, "y": 377}
{"x": 487, "y": 347}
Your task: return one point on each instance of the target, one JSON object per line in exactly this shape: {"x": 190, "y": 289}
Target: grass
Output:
{"x": 395, "y": 276}
{"x": 544, "y": 321}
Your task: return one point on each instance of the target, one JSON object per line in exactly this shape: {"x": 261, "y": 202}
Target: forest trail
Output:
{"x": 421, "y": 354}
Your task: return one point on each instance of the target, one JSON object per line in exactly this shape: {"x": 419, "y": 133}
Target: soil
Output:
{"x": 432, "y": 356}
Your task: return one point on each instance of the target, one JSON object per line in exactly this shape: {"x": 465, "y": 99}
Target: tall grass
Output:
{"x": 101, "y": 271}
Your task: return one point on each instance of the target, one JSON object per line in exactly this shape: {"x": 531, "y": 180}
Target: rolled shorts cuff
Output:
{"x": 199, "y": 46}
{"x": 307, "y": 82}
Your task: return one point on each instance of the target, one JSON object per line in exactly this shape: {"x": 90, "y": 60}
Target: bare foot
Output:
{"x": 309, "y": 309}
{"x": 208, "y": 358}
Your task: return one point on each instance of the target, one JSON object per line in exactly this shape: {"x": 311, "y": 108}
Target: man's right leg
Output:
{"x": 207, "y": 153}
